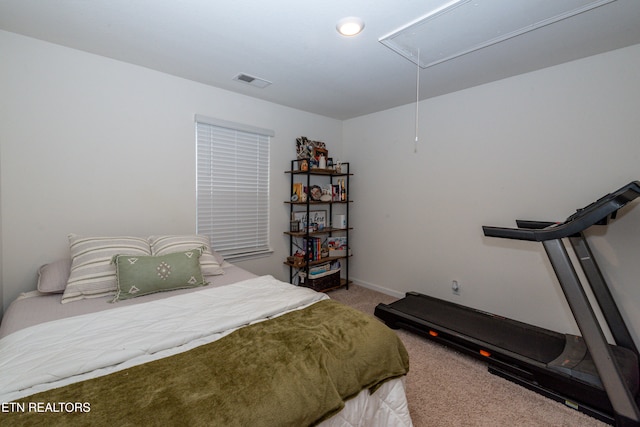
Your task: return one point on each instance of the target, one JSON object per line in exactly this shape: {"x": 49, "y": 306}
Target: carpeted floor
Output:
{"x": 446, "y": 388}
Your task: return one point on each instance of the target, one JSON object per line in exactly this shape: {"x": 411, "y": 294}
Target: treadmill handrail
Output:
{"x": 584, "y": 218}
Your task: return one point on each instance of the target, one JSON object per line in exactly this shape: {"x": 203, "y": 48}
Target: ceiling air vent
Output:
{"x": 251, "y": 80}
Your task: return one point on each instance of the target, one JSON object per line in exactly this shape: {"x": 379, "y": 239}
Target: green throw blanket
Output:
{"x": 294, "y": 370}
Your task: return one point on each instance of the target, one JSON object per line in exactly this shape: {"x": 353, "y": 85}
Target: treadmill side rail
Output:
{"x": 601, "y": 291}
{"x": 623, "y": 402}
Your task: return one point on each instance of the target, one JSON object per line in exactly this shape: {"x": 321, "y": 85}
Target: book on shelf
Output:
{"x": 313, "y": 245}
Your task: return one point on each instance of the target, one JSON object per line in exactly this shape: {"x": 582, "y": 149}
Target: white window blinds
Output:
{"x": 233, "y": 186}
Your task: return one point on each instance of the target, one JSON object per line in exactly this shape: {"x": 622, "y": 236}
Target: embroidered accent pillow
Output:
{"x": 92, "y": 274}
{"x": 210, "y": 264}
{"x": 143, "y": 275}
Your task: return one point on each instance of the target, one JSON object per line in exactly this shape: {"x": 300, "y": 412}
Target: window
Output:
{"x": 233, "y": 186}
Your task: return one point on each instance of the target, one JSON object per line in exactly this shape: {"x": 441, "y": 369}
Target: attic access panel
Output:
{"x": 463, "y": 26}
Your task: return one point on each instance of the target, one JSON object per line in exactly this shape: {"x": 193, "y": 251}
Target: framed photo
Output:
{"x": 317, "y": 217}
{"x": 337, "y": 246}
{"x": 317, "y": 151}
{"x": 304, "y": 147}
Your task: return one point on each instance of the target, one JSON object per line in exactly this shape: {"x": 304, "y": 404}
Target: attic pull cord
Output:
{"x": 415, "y": 144}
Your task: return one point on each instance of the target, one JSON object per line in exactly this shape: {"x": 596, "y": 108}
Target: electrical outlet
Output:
{"x": 455, "y": 287}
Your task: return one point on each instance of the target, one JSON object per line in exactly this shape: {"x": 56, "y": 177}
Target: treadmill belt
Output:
{"x": 529, "y": 341}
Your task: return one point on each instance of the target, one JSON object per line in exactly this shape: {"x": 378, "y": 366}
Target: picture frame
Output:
{"x": 316, "y": 216}
{"x": 297, "y": 190}
{"x": 337, "y": 246}
{"x": 304, "y": 147}
{"x": 320, "y": 151}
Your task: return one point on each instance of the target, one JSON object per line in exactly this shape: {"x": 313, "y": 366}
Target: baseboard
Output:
{"x": 377, "y": 288}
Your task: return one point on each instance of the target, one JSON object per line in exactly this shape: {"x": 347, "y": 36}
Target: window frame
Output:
{"x": 233, "y": 187}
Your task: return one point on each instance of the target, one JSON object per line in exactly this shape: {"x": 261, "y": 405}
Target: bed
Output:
{"x": 211, "y": 344}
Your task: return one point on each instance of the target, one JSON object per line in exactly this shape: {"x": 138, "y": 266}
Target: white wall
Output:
{"x": 536, "y": 146}
{"x": 95, "y": 146}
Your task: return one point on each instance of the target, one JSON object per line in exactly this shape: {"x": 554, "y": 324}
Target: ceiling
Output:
{"x": 294, "y": 44}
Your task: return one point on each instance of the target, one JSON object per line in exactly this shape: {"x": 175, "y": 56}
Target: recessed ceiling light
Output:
{"x": 350, "y": 26}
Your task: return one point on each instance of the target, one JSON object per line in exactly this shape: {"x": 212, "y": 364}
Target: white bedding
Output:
{"x": 64, "y": 351}
{"x": 55, "y": 353}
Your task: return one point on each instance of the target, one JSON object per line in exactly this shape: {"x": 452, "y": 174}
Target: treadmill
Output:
{"x": 584, "y": 372}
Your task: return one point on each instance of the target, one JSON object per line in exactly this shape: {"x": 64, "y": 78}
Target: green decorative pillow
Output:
{"x": 143, "y": 275}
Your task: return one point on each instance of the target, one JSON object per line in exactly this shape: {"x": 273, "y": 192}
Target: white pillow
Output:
{"x": 163, "y": 245}
{"x": 92, "y": 273}
{"x": 53, "y": 277}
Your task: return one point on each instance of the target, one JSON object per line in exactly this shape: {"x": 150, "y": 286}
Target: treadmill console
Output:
{"x": 597, "y": 213}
